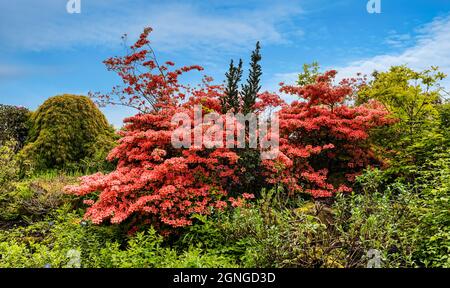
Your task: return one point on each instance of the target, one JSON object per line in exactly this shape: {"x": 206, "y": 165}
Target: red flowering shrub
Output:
{"x": 154, "y": 180}
{"x": 322, "y": 144}
{"x": 323, "y": 141}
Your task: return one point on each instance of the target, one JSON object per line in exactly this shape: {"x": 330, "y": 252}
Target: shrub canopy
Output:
{"x": 13, "y": 125}
{"x": 64, "y": 128}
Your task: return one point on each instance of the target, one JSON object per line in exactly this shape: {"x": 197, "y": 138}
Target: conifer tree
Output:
{"x": 251, "y": 88}
{"x": 249, "y": 159}
{"x": 230, "y": 101}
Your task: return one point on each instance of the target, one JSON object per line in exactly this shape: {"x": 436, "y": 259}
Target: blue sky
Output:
{"x": 45, "y": 51}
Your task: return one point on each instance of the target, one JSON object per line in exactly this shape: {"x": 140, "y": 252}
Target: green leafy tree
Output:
{"x": 414, "y": 100}
{"x": 411, "y": 97}
{"x": 14, "y": 125}
{"x": 309, "y": 74}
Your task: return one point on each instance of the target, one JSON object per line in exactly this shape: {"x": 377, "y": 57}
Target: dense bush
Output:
{"x": 155, "y": 182}
{"x": 324, "y": 141}
{"x": 64, "y": 131}
{"x": 9, "y": 168}
{"x": 14, "y": 125}
{"x": 331, "y": 139}
{"x": 323, "y": 145}
{"x": 407, "y": 224}
{"x": 66, "y": 241}
{"x": 34, "y": 198}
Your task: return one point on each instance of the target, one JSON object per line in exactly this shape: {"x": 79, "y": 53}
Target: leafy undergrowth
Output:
{"x": 34, "y": 198}
{"x": 409, "y": 229}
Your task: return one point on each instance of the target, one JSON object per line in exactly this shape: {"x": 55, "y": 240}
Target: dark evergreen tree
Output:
{"x": 243, "y": 101}
{"x": 230, "y": 101}
{"x": 251, "y": 89}
{"x": 249, "y": 159}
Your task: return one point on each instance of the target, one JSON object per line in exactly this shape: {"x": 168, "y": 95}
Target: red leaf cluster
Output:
{"x": 323, "y": 141}
{"x": 153, "y": 180}
{"x": 323, "y": 144}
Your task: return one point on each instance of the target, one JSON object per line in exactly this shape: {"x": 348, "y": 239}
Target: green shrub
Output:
{"x": 68, "y": 241}
{"x": 96, "y": 161}
{"x": 64, "y": 131}
{"x": 9, "y": 170}
{"x": 32, "y": 199}
{"x": 266, "y": 236}
{"x": 14, "y": 125}
{"x": 407, "y": 222}
{"x": 432, "y": 211}
{"x": 379, "y": 217}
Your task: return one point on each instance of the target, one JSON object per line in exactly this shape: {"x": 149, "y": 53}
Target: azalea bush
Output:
{"x": 323, "y": 143}
{"x": 323, "y": 139}
{"x": 324, "y": 200}
{"x": 155, "y": 182}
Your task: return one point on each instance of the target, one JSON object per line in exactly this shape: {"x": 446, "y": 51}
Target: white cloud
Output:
{"x": 45, "y": 24}
{"x": 397, "y": 40}
{"x": 431, "y": 48}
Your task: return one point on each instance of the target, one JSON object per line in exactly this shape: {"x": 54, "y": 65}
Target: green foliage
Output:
{"x": 420, "y": 133}
{"x": 411, "y": 97}
{"x": 408, "y": 225}
{"x": 96, "y": 161}
{"x": 444, "y": 117}
{"x": 65, "y": 130}
{"x": 145, "y": 250}
{"x": 309, "y": 74}
{"x": 33, "y": 199}
{"x": 230, "y": 100}
{"x": 9, "y": 169}
{"x": 243, "y": 101}
{"x": 263, "y": 236}
{"x": 432, "y": 209}
{"x": 56, "y": 243}
{"x": 14, "y": 125}
{"x": 379, "y": 218}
